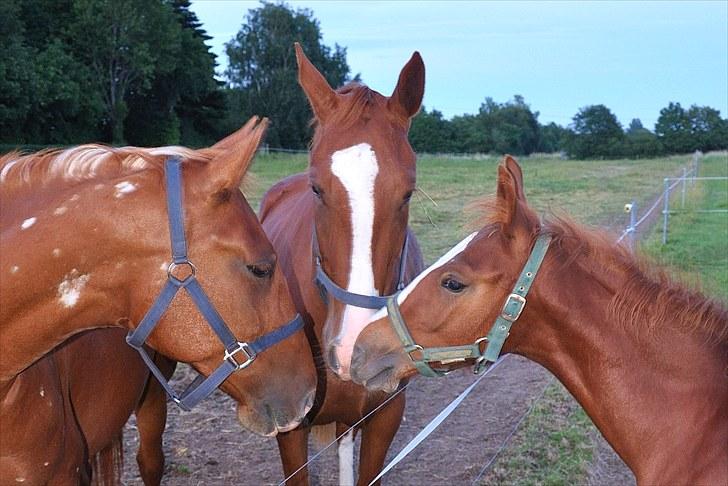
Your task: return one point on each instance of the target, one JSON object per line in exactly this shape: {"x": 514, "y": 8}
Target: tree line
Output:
{"x": 139, "y": 72}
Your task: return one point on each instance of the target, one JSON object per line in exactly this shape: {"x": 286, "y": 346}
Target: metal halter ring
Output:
{"x": 174, "y": 266}
{"x": 246, "y": 350}
{"x": 412, "y": 349}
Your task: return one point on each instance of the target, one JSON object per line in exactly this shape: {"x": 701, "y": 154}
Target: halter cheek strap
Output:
{"x": 423, "y": 357}
{"x": 238, "y": 355}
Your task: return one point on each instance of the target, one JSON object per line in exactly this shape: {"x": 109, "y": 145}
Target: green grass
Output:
{"x": 697, "y": 246}
{"x": 591, "y": 191}
{"x": 554, "y": 444}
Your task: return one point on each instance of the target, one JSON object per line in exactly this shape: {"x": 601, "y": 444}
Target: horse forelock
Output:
{"x": 356, "y": 101}
{"x": 85, "y": 163}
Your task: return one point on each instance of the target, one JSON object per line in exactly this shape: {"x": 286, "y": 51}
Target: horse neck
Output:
{"x": 654, "y": 394}
{"x": 64, "y": 278}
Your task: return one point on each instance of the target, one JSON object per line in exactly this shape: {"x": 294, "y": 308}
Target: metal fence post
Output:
{"x": 684, "y": 176}
{"x": 665, "y": 210}
{"x": 632, "y": 222}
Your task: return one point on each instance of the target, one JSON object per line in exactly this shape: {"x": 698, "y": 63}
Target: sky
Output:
{"x": 633, "y": 57}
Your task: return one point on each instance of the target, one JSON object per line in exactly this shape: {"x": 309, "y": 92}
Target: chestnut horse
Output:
{"x": 85, "y": 245}
{"x": 344, "y": 220}
{"x": 644, "y": 356}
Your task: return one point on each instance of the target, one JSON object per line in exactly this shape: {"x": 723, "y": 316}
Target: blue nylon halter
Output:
{"x": 327, "y": 286}
{"x": 201, "y": 387}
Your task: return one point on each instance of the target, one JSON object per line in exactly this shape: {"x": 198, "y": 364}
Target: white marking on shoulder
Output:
{"x": 124, "y": 187}
{"x": 42, "y": 391}
{"x": 60, "y": 210}
{"x": 446, "y": 258}
{"x": 69, "y": 291}
{"x": 346, "y": 459}
{"x": 28, "y": 223}
{"x": 56, "y": 252}
{"x": 14, "y": 269}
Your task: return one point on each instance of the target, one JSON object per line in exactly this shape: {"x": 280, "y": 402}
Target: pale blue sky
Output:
{"x": 634, "y": 57}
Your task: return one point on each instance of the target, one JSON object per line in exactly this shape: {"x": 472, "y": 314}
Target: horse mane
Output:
{"x": 86, "y": 162}
{"x": 647, "y": 298}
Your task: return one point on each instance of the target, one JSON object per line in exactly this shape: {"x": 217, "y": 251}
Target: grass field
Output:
{"x": 554, "y": 445}
{"x": 591, "y": 191}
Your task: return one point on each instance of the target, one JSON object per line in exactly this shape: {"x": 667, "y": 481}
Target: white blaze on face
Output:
{"x": 357, "y": 168}
{"x": 446, "y": 258}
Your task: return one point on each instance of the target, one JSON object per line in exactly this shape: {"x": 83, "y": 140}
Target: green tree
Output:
{"x": 183, "y": 103}
{"x": 596, "y": 133}
{"x": 262, "y": 72}
{"x": 553, "y": 138}
{"x": 123, "y": 42}
{"x": 513, "y": 127}
{"x": 674, "y": 131}
{"x": 431, "y": 133}
{"x": 16, "y": 73}
{"x": 709, "y": 131}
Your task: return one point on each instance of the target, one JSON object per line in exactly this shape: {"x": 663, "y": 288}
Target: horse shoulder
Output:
{"x": 280, "y": 191}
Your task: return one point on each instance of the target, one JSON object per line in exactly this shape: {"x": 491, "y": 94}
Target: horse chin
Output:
{"x": 268, "y": 421}
{"x": 380, "y": 375}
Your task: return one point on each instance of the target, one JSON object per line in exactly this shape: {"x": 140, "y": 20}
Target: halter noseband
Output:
{"x": 201, "y": 387}
{"x": 327, "y": 286}
{"x": 496, "y": 337}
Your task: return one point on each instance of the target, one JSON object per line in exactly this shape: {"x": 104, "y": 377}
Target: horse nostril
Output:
{"x": 358, "y": 357}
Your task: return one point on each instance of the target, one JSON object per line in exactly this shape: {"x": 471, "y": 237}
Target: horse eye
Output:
{"x": 316, "y": 190}
{"x": 453, "y": 285}
{"x": 260, "y": 270}
{"x": 408, "y": 196}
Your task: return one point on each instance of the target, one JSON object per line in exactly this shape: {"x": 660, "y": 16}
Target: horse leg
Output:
{"x": 151, "y": 417}
{"x": 293, "y": 447}
{"x": 377, "y": 435}
{"x": 346, "y": 454}
{"x": 108, "y": 464}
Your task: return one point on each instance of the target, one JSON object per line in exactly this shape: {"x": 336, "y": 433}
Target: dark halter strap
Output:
{"x": 327, "y": 286}
{"x": 423, "y": 357}
{"x": 201, "y": 387}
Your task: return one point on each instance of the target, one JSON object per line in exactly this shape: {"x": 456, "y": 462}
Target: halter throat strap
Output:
{"x": 238, "y": 355}
{"x": 327, "y": 286}
{"x": 422, "y": 357}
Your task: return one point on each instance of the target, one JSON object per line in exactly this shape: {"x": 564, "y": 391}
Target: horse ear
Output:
{"x": 407, "y": 96}
{"x": 512, "y": 165}
{"x": 321, "y": 96}
{"x": 509, "y": 192}
{"x": 234, "y": 154}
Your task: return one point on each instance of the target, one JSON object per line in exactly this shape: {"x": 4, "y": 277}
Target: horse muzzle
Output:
{"x": 268, "y": 418}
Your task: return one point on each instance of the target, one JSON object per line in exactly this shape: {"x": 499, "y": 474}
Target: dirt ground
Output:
{"x": 207, "y": 446}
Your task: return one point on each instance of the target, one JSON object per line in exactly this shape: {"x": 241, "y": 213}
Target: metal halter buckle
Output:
{"x": 512, "y": 317}
{"x": 245, "y": 349}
